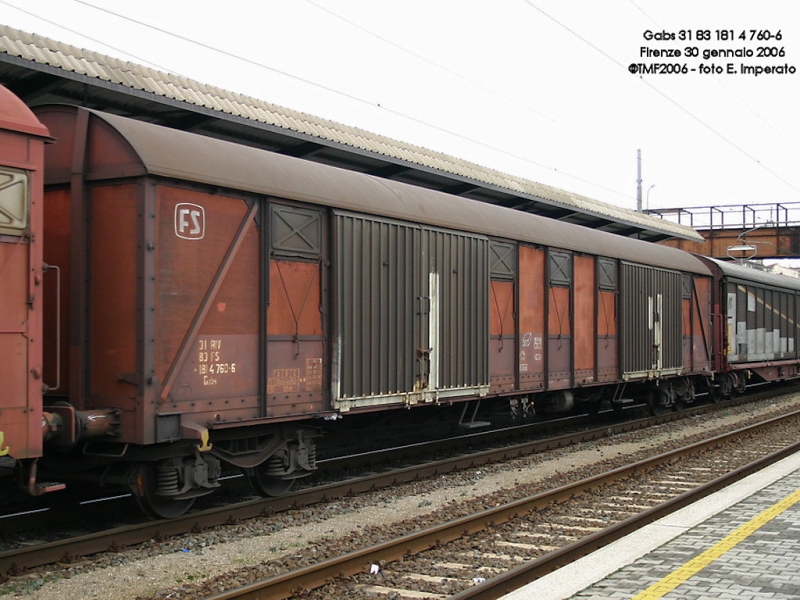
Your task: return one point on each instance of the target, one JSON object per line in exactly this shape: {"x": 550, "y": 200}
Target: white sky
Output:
{"x": 536, "y": 88}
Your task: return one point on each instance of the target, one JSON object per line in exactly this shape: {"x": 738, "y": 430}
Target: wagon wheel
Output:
{"x": 684, "y": 394}
{"x": 151, "y": 502}
{"x": 715, "y": 392}
{"x": 658, "y": 402}
{"x": 264, "y": 482}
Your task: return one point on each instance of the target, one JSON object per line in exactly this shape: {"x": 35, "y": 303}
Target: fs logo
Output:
{"x": 190, "y": 221}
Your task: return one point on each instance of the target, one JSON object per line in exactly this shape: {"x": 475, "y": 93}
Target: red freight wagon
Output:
{"x": 220, "y": 302}
{"x": 22, "y": 140}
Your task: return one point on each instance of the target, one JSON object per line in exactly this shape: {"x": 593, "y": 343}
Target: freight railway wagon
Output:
{"x": 757, "y": 323}
{"x": 216, "y": 304}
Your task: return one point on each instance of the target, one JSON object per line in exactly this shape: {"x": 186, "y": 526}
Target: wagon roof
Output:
{"x": 16, "y": 116}
{"x": 185, "y": 156}
{"x": 733, "y": 270}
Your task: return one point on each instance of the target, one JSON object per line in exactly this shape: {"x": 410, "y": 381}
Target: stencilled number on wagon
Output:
{"x": 210, "y": 361}
{"x": 190, "y": 221}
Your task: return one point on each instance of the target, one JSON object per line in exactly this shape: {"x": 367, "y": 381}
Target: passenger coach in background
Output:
{"x": 224, "y": 305}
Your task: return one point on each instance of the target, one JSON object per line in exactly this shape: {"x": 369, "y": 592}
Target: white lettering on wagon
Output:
{"x": 190, "y": 221}
{"x": 210, "y": 362}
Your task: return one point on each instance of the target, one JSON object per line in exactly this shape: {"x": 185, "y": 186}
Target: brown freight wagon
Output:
{"x": 22, "y": 140}
{"x": 224, "y": 300}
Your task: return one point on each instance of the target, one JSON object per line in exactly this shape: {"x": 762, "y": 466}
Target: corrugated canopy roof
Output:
{"x": 41, "y": 70}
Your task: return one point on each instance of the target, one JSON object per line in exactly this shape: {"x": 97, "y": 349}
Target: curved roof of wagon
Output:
{"x": 16, "y": 116}
{"x": 71, "y": 71}
{"x": 185, "y": 156}
{"x": 747, "y": 274}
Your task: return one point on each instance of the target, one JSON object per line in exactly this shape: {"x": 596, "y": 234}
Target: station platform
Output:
{"x": 741, "y": 543}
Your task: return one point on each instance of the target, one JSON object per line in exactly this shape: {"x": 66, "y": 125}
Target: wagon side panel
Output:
{"x": 532, "y": 305}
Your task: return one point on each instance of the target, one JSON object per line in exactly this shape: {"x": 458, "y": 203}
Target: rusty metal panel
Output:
{"x": 296, "y": 369}
{"x": 295, "y": 344}
{"x": 607, "y": 339}
{"x": 113, "y": 317}
{"x": 15, "y": 415}
{"x": 585, "y": 320}
{"x": 559, "y": 338}
{"x": 607, "y": 320}
{"x": 207, "y": 298}
{"x": 503, "y": 338}
{"x": 697, "y": 340}
{"x": 650, "y": 321}
{"x": 57, "y": 233}
{"x": 559, "y": 320}
{"x": 532, "y": 303}
{"x": 702, "y": 332}
{"x": 21, "y": 299}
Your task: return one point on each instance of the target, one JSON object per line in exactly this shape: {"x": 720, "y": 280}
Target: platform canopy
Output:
{"x": 42, "y": 71}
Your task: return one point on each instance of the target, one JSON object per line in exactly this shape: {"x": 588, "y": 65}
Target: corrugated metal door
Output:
{"x": 411, "y": 317}
{"x": 458, "y": 265}
{"x": 651, "y": 321}
{"x": 378, "y": 293}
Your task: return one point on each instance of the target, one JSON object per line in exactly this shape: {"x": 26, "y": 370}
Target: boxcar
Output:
{"x": 223, "y": 301}
{"x": 758, "y": 315}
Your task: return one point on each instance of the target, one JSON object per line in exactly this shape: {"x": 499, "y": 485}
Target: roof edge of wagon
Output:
{"x": 182, "y": 155}
{"x": 108, "y": 71}
{"x": 15, "y": 115}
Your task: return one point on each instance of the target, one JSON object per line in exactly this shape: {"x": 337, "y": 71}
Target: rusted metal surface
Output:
{"x": 532, "y": 328}
{"x": 771, "y": 229}
{"x": 585, "y": 298}
{"x": 295, "y": 348}
{"x": 607, "y": 320}
{"x": 22, "y": 139}
{"x": 503, "y": 337}
{"x": 698, "y": 343}
{"x": 559, "y": 311}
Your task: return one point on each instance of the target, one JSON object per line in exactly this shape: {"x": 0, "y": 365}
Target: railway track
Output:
{"x": 504, "y": 547}
{"x": 19, "y": 559}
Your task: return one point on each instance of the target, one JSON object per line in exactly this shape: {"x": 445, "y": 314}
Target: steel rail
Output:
{"x": 314, "y": 576}
{"x": 67, "y": 550}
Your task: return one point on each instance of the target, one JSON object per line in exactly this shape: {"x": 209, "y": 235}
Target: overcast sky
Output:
{"x": 537, "y": 88}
